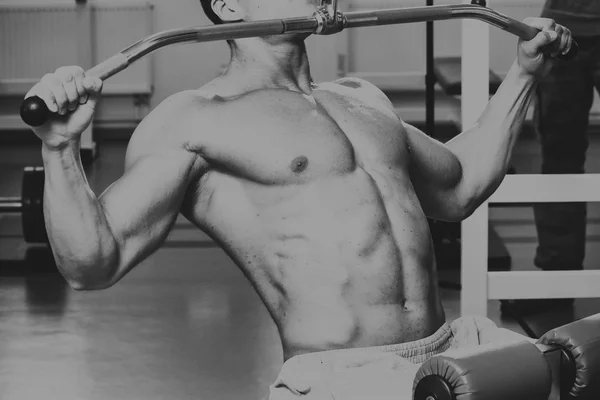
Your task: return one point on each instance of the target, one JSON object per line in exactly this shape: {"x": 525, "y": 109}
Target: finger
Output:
{"x": 78, "y": 79}
{"x": 555, "y": 47}
{"x": 536, "y": 46}
{"x": 569, "y": 41}
{"x": 72, "y": 95}
{"x": 541, "y": 23}
{"x": 53, "y": 84}
{"x": 45, "y": 94}
{"x": 93, "y": 86}
{"x": 83, "y": 95}
{"x": 564, "y": 43}
{"x": 68, "y": 76}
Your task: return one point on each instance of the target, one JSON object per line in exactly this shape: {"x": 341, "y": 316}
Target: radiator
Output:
{"x": 37, "y": 39}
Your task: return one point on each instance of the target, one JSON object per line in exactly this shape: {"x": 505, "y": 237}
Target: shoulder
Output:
{"x": 171, "y": 120}
{"x": 175, "y": 111}
{"x": 167, "y": 127}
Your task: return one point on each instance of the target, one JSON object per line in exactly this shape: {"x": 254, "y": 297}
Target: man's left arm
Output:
{"x": 453, "y": 179}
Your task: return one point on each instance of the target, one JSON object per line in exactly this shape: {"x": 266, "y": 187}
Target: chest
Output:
{"x": 278, "y": 137}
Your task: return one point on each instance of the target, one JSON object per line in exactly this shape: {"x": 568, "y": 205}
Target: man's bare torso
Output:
{"x": 311, "y": 197}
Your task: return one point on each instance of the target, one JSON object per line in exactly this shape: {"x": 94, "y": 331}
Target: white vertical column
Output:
{"x": 475, "y": 96}
{"x": 474, "y": 263}
{"x": 85, "y": 60}
{"x": 475, "y": 69}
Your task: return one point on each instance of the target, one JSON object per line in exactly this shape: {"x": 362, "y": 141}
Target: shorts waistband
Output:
{"x": 417, "y": 351}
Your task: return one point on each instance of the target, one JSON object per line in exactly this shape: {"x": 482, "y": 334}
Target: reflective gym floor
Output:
{"x": 185, "y": 324}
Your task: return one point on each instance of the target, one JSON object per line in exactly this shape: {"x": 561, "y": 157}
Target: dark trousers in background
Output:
{"x": 564, "y": 99}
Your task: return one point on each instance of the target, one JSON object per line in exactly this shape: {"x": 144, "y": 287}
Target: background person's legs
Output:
{"x": 564, "y": 99}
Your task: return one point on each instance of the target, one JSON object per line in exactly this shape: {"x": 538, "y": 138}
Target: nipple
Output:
{"x": 299, "y": 164}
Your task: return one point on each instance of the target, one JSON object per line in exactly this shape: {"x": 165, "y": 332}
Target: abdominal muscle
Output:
{"x": 339, "y": 267}
{"x": 348, "y": 300}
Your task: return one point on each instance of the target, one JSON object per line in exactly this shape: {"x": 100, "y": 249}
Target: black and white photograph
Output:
{"x": 300, "y": 199}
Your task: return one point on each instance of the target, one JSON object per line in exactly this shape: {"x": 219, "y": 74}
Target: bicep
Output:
{"x": 143, "y": 204}
{"x": 431, "y": 160}
{"x": 435, "y": 173}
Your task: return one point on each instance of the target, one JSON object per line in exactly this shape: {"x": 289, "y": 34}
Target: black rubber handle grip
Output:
{"x": 34, "y": 111}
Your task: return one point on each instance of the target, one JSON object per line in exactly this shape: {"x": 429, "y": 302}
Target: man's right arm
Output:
{"x": 98, "y": 240}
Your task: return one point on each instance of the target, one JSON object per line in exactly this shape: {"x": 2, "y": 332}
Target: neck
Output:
{"x": 262, "y": 64}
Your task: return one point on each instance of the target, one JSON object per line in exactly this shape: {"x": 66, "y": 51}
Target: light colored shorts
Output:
{"x": 382, "y": 372}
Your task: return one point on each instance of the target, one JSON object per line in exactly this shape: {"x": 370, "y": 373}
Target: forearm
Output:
{"x": 81, "y": 239}
{"x": 485, "y": 150}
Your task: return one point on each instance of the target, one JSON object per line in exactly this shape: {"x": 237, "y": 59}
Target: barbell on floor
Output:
{"x": 30, "y": 205}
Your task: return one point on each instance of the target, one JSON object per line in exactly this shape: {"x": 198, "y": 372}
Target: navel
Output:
{"x": 299, "y": 164}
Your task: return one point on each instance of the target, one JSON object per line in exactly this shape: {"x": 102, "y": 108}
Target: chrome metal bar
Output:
{"x": 438, "y": 13}
{"x": 312, "y": 24}
{"x": 325, "y": 21}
